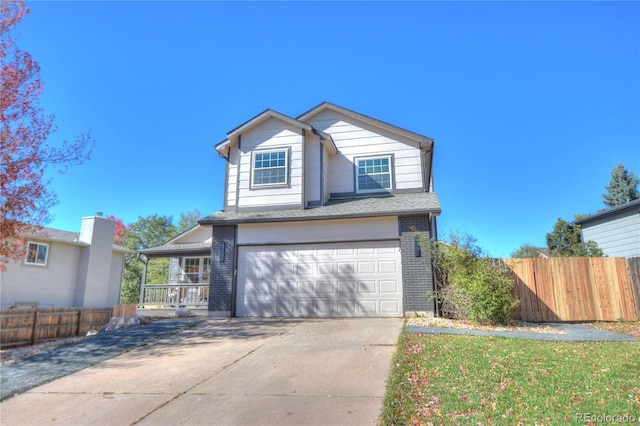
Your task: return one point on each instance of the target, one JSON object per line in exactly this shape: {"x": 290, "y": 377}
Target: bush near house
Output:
{"x": 471, "y": 286}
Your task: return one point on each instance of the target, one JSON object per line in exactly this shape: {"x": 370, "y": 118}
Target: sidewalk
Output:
{"x": 572, "y": 332}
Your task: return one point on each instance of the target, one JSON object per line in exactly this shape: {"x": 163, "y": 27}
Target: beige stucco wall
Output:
{"x": 52, "y": 286}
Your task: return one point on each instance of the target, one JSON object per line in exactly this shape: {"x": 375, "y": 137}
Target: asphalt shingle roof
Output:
{"x": 178, "y": 249}
{"x": 53, "y": 234}
{"x": 338, "y": 208}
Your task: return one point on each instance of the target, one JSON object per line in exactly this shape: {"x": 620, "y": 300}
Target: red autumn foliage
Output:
{"x": 24, "y": 154}
{"x": 118, "y": 234}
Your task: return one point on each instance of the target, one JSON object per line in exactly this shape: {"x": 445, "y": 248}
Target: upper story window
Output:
{"x": 373, "y": 174}
{"x": 270, "y": 167}
{"x": 37, "y": 254}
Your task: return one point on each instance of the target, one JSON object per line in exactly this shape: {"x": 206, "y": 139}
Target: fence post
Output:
{"x": 35, "y": 323}
{"x": 633, "y": 268}
{"x": 78, "y": 322}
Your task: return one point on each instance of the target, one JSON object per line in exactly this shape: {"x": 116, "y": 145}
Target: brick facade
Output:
{"x": 222, "y": 269}
{"x": 417, "y": 274}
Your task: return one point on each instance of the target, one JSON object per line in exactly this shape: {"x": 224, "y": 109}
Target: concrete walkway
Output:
{"x": 263, "y": 372}
{"x": 571, "y": 333}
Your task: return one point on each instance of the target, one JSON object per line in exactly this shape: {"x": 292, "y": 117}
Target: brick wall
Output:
{"x": 221, "y": 277}
{"x": 416, "y": 271}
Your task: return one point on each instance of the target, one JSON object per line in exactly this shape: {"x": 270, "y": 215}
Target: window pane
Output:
{"x": 32, "y": 252}
{"x": 192, "y": 269}
{"x": 270, "y": 168}
{"x": 374, "y": 174}
{"x": 42, "y": 254}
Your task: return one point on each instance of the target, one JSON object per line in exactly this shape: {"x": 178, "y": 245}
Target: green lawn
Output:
{"x": 453, "y": 379}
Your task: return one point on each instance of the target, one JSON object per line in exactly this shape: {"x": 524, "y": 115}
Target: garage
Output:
{"x": 356, "y": 279}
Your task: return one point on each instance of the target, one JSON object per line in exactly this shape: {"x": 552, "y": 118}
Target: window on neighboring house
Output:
{"x": 37, "y": 254}
{"x": 373, "y": 174}
{"x": 269, "y": 168}
{"x": 196, "y": 269}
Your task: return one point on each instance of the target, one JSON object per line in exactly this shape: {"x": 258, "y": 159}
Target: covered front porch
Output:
{"x": 187, "y": 283}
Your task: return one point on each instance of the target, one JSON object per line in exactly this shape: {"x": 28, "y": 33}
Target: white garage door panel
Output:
{"x": 346, "y": 279}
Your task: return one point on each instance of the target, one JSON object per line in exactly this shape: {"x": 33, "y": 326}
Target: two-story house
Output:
{"x": 321, "y": 216}
{"x": 63, "y": 269}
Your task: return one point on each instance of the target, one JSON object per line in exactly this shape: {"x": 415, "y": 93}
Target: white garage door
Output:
{"x": 320, "y": 280}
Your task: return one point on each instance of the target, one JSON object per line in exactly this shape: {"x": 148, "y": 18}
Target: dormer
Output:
{"x": 268, "y": 166}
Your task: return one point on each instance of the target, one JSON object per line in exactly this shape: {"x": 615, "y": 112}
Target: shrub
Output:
{"x": 471, "y": 286}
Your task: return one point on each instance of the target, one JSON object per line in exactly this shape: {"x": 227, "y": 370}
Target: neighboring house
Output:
{"x": 543, "y": 252}
{"x": 616, "y": 230}
{"x": 64, "y": 269}
{"x": 321, "y": 217}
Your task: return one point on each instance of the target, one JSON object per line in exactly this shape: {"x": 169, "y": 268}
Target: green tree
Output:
{"x": 622, "y": 187}
{"x": 526, "y": 250}
{"x": 146, "y": 232}
{"x": 565, "y": 241}
{"x": 188, "y": 219}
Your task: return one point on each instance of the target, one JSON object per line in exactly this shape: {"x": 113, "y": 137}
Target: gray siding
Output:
{"x": 417, "y": 276}
{"x": 222, "y": 270}
{"x": 617, "y": 235}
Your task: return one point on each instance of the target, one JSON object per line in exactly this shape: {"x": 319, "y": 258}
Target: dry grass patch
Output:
{"x": 632, "y": 328}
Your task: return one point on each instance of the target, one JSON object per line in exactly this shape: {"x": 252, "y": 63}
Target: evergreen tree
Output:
{"x": 622, "y": 188}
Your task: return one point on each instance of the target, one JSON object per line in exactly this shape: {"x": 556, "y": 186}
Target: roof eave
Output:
{"x": 214, "y": 221}
{"x": 370, "y": 120}
{"x": 178, "y": 251}
{"x": 613, "y": 210}
{"x": 264, "y": 116}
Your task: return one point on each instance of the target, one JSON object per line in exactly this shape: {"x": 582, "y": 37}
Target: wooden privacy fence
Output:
{"x": 125, "y": 310}
{"x": 29, "y": 326}
{"x": 577, "y": 288}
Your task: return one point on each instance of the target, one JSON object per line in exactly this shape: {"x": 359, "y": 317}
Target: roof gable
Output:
{"x": 256, "y": 120}
{"x": 369, "y": 120}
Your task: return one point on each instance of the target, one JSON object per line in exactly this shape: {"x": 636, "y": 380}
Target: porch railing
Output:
{"x": 163, "y": 296}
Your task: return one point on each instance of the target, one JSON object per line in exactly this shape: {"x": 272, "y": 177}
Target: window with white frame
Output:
{"x": 269, "y": 168}
{"x": 373, "y": 174}
{"x": 196, "y": 269}
{"x": 37, "y": 254}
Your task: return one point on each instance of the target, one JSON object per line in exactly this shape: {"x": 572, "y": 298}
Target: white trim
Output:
{"x": 390, "y": 173}
{"x": 286, "y": 168}
{"x": 203, "y": 271}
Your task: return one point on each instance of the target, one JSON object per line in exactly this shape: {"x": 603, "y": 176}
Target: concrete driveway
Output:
{"x": 236, "y": 372}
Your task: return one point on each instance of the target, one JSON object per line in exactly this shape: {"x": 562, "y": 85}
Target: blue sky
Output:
{"x": 531, "y": 104}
